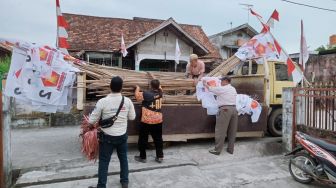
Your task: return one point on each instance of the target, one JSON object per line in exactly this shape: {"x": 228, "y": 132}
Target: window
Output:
{"x": 281, "y": 73}
{"x": 245, "y": 68}
{"x": 254, "y": 67}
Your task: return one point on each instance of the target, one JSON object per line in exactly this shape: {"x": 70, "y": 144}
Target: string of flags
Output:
{"x": 264, "y": 45}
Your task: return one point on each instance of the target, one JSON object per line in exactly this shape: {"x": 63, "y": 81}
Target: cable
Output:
{"x": 331, "y": 10}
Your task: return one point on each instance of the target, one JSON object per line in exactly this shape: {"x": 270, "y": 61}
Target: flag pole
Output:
{"x": 301, "y": 54}
{"x": 57, "y": 34}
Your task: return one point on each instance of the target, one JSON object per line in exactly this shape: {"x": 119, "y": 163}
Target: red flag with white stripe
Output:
{"x": 270, "y": 22}
{"x": 294, "y": 71}
{"x": 123, "y": 46}
{"x": 255, "y": 14}
{"x": 62, "y": 34}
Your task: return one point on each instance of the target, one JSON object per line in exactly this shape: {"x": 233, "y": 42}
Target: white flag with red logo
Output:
{"x": 304, "y": 55}
{"x": 123, "y": 46}
{"x": 260, "y": 46}
{"x": 62, "y": 34}
{"x": 177, "y": 52}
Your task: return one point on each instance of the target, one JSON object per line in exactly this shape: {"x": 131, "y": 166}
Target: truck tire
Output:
{"x": 275, "y": 122}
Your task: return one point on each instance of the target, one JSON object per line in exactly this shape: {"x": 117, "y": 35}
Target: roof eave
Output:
{"x": 163, "y": 25}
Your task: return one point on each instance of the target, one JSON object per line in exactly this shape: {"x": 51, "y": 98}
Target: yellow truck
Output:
{"x": 264, "y": 82}
{"x": 190, "y": 121}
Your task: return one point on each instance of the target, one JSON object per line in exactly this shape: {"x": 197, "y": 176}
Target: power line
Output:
{"x": 326, "y": 9}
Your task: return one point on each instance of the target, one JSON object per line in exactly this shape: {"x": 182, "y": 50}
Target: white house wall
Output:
{"x": 228, "y": 39}
{"x": 155, "y": 46}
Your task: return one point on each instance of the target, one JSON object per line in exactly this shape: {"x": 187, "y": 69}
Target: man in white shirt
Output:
{"x": 227, "y": 116}
{"x": 114, "y": 137}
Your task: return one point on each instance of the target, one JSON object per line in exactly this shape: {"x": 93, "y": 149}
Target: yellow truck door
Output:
{"x": 280, "y": 79}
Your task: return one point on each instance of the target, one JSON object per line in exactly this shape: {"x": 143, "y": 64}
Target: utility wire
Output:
{"x": 326, "y": 9}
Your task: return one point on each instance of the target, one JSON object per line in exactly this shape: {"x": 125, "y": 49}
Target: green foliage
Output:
{"x": 321, "y": 48}
{"x": 4, "y": 65}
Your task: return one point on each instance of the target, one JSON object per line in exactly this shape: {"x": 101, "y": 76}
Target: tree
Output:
{"x": 321, "y": 48}
{"x": 4, "y": 65}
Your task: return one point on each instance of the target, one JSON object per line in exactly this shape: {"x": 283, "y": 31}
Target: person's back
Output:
{"x": 151, "y": 120}
{"x": 107, "y": 107}
{"x": 115, "y": 136}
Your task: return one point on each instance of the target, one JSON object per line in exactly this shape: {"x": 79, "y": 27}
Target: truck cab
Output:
{"x": 264, "y": 82}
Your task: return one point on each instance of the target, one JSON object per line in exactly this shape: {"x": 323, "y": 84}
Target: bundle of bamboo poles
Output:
{"x": 174, "y": 85}
{"x": 225, "y": 67}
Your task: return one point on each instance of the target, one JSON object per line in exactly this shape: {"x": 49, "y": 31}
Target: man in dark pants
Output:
{"x": 151, "y": 120}
{"x": 114, "y": 137}
{"x": 227, "y": 116}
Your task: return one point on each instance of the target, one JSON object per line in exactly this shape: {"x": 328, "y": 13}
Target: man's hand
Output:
{"x": 195, "y": 81}
{"x": 205, "y": 84}
{"x": 136, "y": 88}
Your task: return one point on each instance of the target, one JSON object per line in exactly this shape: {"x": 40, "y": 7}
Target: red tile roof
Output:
{"x": 103, "y": 34}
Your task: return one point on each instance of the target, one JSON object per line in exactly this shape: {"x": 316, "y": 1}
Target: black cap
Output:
{"x": 227, "y": 78}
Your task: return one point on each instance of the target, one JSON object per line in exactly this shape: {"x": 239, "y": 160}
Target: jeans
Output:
{"x": 107, "y": 144}
{"x": 156, "y": 132}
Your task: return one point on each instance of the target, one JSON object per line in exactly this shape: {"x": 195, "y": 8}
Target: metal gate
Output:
{"x": 314, "y": 111}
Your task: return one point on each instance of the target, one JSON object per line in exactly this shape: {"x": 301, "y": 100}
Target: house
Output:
{"x": 228, "y": 42}
{"x": 150, "y": 43}
{"x": 321, "y": 66}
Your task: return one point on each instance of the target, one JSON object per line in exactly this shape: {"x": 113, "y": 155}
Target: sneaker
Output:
{"x": 159, "y": 159}
{"x": 124, "y": 185}
{"x": 213, "y": 151}
{"x": 139, "y": 159}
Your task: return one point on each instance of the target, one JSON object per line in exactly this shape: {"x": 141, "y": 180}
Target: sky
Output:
{"x": 35, "y": 20}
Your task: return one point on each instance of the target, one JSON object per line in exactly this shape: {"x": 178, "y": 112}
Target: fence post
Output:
{"x": 81, "y": 90}
{"x": 287, "y": 118}
{"x": 5, "y": 140}
{"x": 2, "y": 161}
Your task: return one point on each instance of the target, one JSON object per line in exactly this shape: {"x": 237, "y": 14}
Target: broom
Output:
{"x": 89, "y": 139}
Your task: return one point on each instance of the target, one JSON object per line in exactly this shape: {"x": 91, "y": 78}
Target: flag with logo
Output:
{"x": 39, "y": 76}
{"x": 260, "y": 46}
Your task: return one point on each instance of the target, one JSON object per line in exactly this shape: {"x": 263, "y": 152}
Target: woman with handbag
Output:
{"x": 114, "y": 110}
{"x": 151, "y": 120}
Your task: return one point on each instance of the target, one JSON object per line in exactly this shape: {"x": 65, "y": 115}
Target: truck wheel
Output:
{"x": 275, "y": 122}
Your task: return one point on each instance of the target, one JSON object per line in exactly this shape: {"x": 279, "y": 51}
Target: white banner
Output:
{"x": 40, "y": 76}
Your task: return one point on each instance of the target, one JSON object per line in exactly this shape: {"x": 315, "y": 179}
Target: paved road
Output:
{"x": 53, "y": 155}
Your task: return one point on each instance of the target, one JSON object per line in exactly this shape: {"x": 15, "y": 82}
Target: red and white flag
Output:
{"x": 177, "y": 52}
{"x": 266, "y": 27}
{"x": 270, "y": 22}
{"x": 274, "y": 16}
{"x": 123, "y": 46}
{"x": 294, "y": 71}
{"x": 255, "y": 14}
{"x": 62, "y": 34}
{"x": 304, "y": 55}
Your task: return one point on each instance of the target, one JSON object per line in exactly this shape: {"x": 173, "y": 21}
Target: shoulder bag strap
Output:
{"x": 120, "y": 106}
